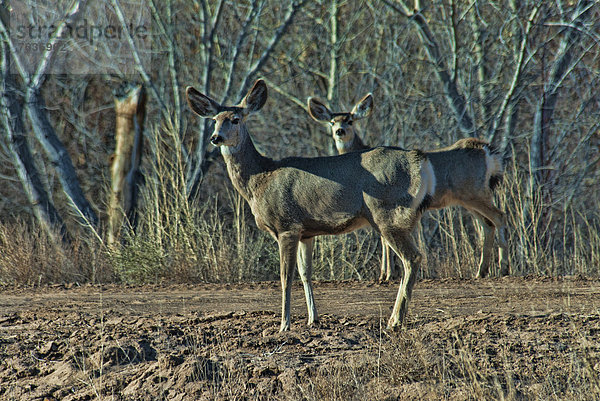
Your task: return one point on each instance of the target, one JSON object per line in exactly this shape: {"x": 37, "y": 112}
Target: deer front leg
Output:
{"x": 488, "y": 244}
{"x": 288, "y": 246}
{"x": 401, "y": 242}
{"x": 305, "y": 252}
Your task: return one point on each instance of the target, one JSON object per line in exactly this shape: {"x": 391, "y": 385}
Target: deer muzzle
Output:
{"x": 216, "y": 140}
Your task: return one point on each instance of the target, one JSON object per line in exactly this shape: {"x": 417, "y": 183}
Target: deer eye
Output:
{"x": 350, "y": 122}
{"x": 235, "y": 120}
{"x": 331, "y": 122}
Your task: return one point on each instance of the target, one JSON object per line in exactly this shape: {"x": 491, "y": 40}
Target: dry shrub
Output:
{"x": 464, "y": 364}
{"x": 31, "y": 257}
{"x": 545, "y": 237}
{"x": 346, "y": 379}
{"x": 352, "y": 256}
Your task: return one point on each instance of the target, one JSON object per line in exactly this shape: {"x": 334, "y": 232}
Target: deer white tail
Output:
{"x": 494, "y": 166}
{"x": 427, "y": 188}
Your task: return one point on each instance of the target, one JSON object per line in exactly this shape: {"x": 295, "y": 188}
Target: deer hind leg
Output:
{"x": 490, "y": 215}
{"x": 488, "y": 244}
{"x": 305, "y": 252}
{"x": 401, "y": 242}
{"x": 503, "y": 251}
{"x": 288, "y": 247}
{"x": 387, "y": 262}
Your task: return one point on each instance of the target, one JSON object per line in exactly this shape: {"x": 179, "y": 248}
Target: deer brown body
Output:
{"x": 296, "y": 199}
{"x": 466, "y": 173}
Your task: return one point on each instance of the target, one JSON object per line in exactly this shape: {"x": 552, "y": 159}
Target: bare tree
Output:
{"x": 455, "y": 98}
{"x": 36, "y": 110}
{"x": 563, "y": 63}
{"x": 14, "y": 130}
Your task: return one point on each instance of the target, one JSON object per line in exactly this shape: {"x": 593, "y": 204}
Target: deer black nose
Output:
{"x": 216, "y": 139}
{"x": 339, "y": 132}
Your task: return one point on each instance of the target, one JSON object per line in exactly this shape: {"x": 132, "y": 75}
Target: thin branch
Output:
{"x": 454, "y": 97}
{"x": 593, "y": 35}
{"x": 238, "y": 47}
{"x": 171, "y": 48}
{"x": 138, "y": 60}
{"x": 572, "y": 159}
{"x": 286, "y": 94}
{"x": 332, "y": 79}
{"x": 279, "y": 32}
{"x": 305, "y": 67}
{"x": 48, "y": 55}
{"x": 13, "y": 51}
{"x": 508, "y": 97}
{"x": 399, "y": 7}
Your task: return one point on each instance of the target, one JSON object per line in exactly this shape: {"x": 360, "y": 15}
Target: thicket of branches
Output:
{"x": 521, "y": 74}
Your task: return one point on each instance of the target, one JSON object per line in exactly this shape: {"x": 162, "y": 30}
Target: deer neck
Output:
{"x": 244, "y": 163}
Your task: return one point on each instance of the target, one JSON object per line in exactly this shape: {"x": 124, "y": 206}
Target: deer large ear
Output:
{"x": 363, "y": 108}
{"x": 256, "y": 97}
{"x": 318, "y": 111}
{"x": 201, "y": 104}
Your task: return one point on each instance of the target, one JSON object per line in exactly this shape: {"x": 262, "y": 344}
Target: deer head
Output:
{"x": 341, "y": 124}
{"x": 230, "y": 130}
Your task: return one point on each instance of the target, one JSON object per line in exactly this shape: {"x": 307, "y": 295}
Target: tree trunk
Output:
{"x": 332, "y": 81}
{"x": 130, "y": 107}
{"x": 561, "y": 66}
{"x": 59, "y": 156}
{"x": 36, "y": 109}
{"x": 197, "y": 163}
{"x": 22, "y": 160}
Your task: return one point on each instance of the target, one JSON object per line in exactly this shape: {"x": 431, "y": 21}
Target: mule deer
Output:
{"x": 466, "y": 174}
{"x": 296, "y": 199}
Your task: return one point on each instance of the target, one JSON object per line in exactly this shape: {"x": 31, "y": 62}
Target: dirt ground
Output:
{"x": 513, "y": 337}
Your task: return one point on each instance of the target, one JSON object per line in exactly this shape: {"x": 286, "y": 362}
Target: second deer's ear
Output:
{"x": 363, "y": 108}
{"x": 318, "y": 111}
{"x": 202, "y": 104}
{"x": 256, "y": 97}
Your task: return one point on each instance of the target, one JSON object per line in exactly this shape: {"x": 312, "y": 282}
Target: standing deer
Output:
{"x": 296, "y": 198}
{"x": 466, "y": 174}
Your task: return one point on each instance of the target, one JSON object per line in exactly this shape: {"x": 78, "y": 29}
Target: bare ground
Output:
{"x": 511, "y": 338}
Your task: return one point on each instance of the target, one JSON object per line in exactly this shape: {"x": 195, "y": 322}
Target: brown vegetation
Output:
{"x": 520, "y": 74}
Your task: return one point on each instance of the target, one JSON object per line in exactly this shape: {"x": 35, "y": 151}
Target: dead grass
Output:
{"x": 30, "y": 257}
{"x": 416, "y": 366}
